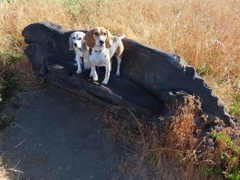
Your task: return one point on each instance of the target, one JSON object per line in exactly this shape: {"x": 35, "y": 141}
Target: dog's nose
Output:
{"x": 75, "y": 44}
{"x": 101, "y": 42}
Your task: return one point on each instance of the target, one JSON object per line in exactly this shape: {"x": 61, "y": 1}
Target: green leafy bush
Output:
{"x": 228, "y": 163}
{"x": 236, "y": 106}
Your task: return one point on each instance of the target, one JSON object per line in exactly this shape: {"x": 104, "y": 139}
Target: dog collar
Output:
{"x": 97, "y": 51}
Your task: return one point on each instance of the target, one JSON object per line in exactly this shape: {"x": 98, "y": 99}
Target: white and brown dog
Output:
{"x": 77, "y": 43}
{"x": 104, "y": 45}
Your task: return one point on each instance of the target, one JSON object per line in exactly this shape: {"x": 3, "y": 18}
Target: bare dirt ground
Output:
{"x": 57, "y": 135}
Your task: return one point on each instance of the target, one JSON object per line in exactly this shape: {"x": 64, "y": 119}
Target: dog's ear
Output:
{"x": 90, "y": 42}
{"x": 84, "y": 46}
{"x": 70, "y": 42}
{"x": 109, "y": 40}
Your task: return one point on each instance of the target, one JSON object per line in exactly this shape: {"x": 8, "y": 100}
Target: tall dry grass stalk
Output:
{"x": 173, "y": 149}
{"x": 205, "y": 33}
{"x": 170, "y": 152}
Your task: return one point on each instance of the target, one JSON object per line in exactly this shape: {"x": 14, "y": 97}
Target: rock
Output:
{"x": 151, "y": 80}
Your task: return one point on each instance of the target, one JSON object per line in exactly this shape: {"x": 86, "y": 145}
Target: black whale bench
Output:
{"x": 151, "y": 80}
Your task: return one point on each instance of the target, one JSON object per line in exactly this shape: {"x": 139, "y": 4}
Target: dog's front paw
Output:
{"x": 95, "y": 78}
{"x": 105, "y": 82}
{"x": 79, "y": 71}
{"x": 118, "y": 73}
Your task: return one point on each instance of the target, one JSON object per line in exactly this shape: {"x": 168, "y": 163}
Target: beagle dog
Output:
{"x": 77, "y": 43}
{"x": 104, "y": 45}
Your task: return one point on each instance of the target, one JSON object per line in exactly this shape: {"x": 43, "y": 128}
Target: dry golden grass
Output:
{"x": 168, "y": 152}
{"x": 177, "y": 150}
{"x": 3, "y": 174}
{"x": 205, "y": 33}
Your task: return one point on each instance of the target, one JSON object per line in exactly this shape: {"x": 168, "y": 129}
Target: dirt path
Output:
{"x": 57, "y": 135}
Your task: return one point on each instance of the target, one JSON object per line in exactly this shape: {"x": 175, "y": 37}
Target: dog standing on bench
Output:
{"x": 77, "y": 43}
{"x": 104, "y": 45}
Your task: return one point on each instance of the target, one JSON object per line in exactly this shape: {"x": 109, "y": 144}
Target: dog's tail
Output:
{"x": 122, "y": 36}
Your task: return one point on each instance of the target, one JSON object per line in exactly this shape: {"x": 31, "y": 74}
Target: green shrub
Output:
{"x": 12, "y": 56}
{"x": 235, "y": 110}
{"x": 228, "y": 164}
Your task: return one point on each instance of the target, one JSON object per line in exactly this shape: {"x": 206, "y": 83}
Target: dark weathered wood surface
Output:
{"x": 119, "y": 90}
{"x": 151, "y": 80}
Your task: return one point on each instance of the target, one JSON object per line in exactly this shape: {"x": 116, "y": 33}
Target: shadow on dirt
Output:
{"x": 58, "y": 135}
